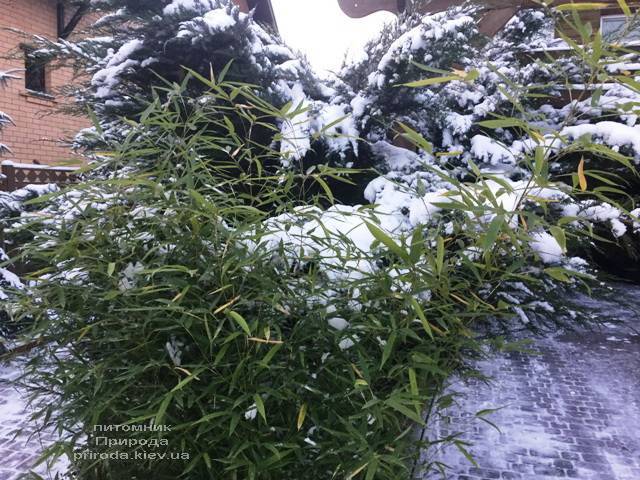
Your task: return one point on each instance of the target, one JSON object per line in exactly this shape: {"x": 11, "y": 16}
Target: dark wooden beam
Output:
{"x": 65, "y": 29}
{"x": 60, "y": 15}
{"x": 495, "y": 20}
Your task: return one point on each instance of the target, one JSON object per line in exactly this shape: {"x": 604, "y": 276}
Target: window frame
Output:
{"x": 616, "y": 16}
{"x": 32, "y": 68}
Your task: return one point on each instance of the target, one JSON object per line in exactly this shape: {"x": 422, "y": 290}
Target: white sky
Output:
{"x": 323, "y": 32}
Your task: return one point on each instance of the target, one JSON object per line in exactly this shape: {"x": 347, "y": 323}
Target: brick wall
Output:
{"x": 41, "y": 133}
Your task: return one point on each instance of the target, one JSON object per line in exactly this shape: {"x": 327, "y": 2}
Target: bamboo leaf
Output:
{"x": 415, "y": 392}
{"x": 387, "y": 241}
{"x": 492, "y": 233}
{"x": 560, "y": 236}
{"x": 416, "y": 138}
{"x": 207, "y": 460}
{"x": 501, "y": 123}
{"x": 558, "y": 274}
{"x": 373, "y": 468}
{"x": 417, "y": 245}
{"x": 302, "y": 414}
{"x": 260, "y": 406}
{"x": 325, "y": 187}
{"x": 581, "y": 176}
{"x": 355, "y": 473}
{"x": 413, "y": 381}
{"x": 431, "y": 81}
{"x": 388, "y": 348}
{"x": 464, "y": 451}
{"x": 404, "y": 410}
{"x": 423, "y": 319}
{"x": 574, "y": 7}
{"x": 439, "y": 255}
{"x": 163, "y": 408}
{"x": 625, "y": 8}
{"x": 270, "y": 354}
{"x": 187, "y": 380}
{"x": 239, "y": 319}
{"x": 539, "y": 160}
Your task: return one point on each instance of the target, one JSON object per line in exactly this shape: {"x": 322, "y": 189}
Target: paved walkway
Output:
{"x": 15, "y": 456}
{"x": 572, "y": 411}
{"x": 19, "y": 448}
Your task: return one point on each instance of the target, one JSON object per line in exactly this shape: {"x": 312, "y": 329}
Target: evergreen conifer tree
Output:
{"x": 7, "y": 279}
{"x": 5, "y": 119}
{"x": 140, "y": 44}
{"x": 136, "y": 46}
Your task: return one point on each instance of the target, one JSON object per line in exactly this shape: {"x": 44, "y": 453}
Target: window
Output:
{"x": 617, "y": 27}
{"x": 35, "y": 78}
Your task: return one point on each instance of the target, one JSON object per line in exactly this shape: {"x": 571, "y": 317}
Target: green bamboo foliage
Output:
{"x": 170, "y": 323}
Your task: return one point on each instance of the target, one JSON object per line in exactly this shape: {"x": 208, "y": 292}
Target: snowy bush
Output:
{"x": 136, "y": 45}
{"x": 207, "y": 280}
{"x": 8, "y": 280}
{"x": 12, "y": 206}
{"x": 4, "y": 118}
{"x": 489, "y": 102}
{"x": 277, "y": 337}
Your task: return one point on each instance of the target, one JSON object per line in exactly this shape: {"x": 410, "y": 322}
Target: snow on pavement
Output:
{"x": 19, "y": 447}
{"x": 570, "y": 411}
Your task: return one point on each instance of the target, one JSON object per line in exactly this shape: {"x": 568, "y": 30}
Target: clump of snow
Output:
{"x": 635, "y": 214}
{"x": 490, "y": 151}
{"x": 251, "y": 413}
{"x": 359, "y": 104}
{"x": 8, "y": 279}
{"x": 398, "y": 159}
{"x": 130, "y": 275}
{"x": 174, "y": 350}
{"x": 106, "y": 79}
{"x": 338, "y": 127}
{"x": 219, "y": 20}
{"x": 611, "y": 133}
{"x": 338, "y": 323}
{"x": 295, "y": 130}
{"x": 599, "y": 213}
{"x": 346, "y": 344}
{"x": 432, "y": 28}
{"x": 178, "y": 6}
{"x": 547, "y": 247}
{"x": 423, "y": 210}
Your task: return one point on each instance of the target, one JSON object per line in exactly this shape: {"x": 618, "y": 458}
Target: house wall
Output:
{"x": 41, "y": 134}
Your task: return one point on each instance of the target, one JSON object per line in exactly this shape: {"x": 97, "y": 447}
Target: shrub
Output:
{"x": 274, "y": 337}
{"x": 229, "y": 317}
{"x": 8, "y": 280}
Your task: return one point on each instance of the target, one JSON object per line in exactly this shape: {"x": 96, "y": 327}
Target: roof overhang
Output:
{"x": 494, "y": 13}
{"x": 263, "y": 11}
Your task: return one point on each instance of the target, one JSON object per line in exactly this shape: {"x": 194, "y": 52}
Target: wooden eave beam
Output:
{"x": 65, "y": 29}
{"x": 362, "y": 8}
